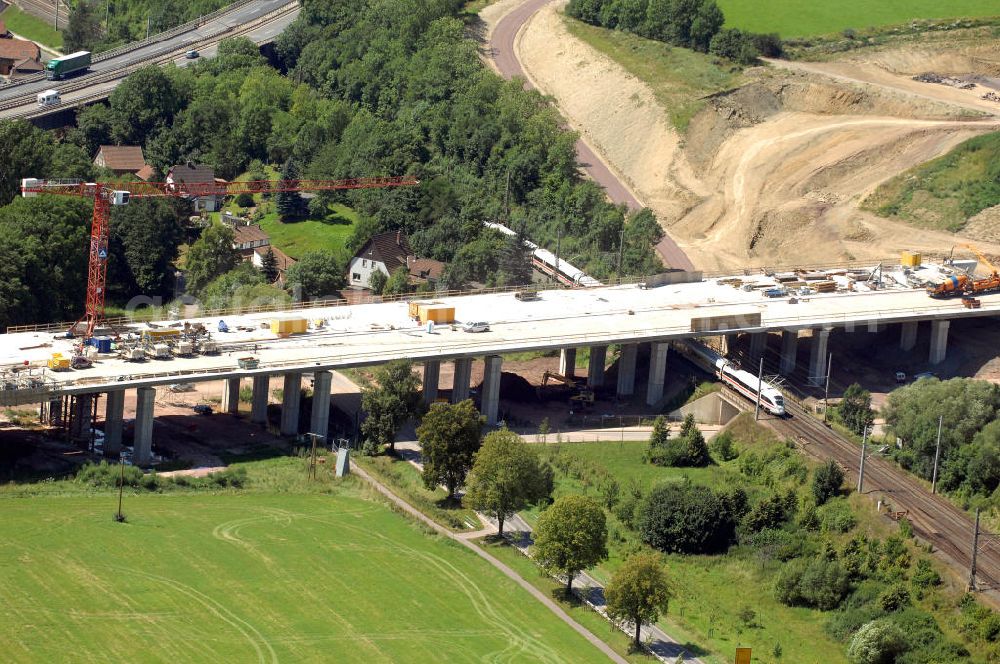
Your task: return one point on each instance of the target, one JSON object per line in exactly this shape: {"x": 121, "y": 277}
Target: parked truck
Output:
{"x": 61, "y": 67}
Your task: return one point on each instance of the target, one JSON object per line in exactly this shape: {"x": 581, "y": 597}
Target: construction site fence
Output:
{"x": 149, "y": 314}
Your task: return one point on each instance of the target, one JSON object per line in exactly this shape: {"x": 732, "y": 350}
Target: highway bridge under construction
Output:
{"x": 317, "y": 337}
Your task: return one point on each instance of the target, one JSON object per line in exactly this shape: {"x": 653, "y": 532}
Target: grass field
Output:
{"x": 275, "y": 573}
{"x": 677, "y": 76}
{"x": 802, "y": 18}
{"x": 30, "y": 27}
{"x": 945, "y": 192}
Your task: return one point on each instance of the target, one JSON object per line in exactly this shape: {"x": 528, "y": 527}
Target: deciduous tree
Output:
{"x": 507, "y": 476}
{"x": 210, "y": 256}
{"x": 855, "y": 408}
{"x": 450, "y": 436}
{"x": 388, "y": 402}
{"x": 638, "y": 592}
{"x": 317, "y": 274}
{"x": 571, "y": 536}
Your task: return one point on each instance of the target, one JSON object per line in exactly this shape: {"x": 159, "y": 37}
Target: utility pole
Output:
{"x": 861, "y": 471}
{"x": 826, "y": 396}
{"x": 312, "y": 456}
{"x": 621, "y": 252}
{"x": 56, "y": 24}
{"x": 506, "y": 199}
{"x": 937, "y": 455}
{"x": 558, "y": 244}
{"x": 760, "y": 385}
{"x": 975, "y": 550}
{"x": 120, "y": 518}
{"x": 107, "y": 16}
{"x": 147, "y": 27}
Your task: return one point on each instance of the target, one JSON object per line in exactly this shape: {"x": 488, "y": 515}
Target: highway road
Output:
{"x": 504, "y": 52}
{"x": 935, "y": 519}
{"x": 371, "y": 334}
{"x": 19, "y": 100}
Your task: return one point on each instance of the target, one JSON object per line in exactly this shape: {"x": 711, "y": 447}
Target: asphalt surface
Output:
{"x": 504, "y": 53}
{"x": 218, "y": 27}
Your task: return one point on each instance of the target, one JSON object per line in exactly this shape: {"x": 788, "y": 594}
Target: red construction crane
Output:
{"x": 106, "y": 195}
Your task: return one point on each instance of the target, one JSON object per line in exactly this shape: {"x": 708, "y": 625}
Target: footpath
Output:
{"x": 586, "y": 587}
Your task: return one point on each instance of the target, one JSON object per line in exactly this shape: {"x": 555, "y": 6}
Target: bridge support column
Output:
{"x": 595, "y": 373}
{"x": 142, "y": 452}
{"x": 818, "y": 356}
{"x": 731, "y": 341}
{"x": 567, "y": 361}
{"x": 939, "y": 340}
{"x": 908, "y": 335}
{"x": 789, "y": 351}
{"x": 81, "y": 420}
{"x": 758, "y": 344}
{"x": 657, "y": 371}
{"x": 626, "y": 370}
{"x": 462, "y": 378}
{"x": 491, "y": 389}
{"x": 320, "y": 422}
{"x": 432, "y": 376}
{"x": 258, "y": 402}
{"x": 231, "y": 396}
{"x": 114, "y": 415}
{"x": 291, "y": 396}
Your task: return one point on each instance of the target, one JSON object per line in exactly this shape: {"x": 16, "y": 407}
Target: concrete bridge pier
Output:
{"x": 231, "y": 396}
{"x": 432, "y": 376}
{"x": 461, "y": 379}
{"x": 291, "y": 396}
{"x": 595, "y": 373}
{"x": 258, "y": 402}
{"x": 939, "y": 340}
{"x": 758, "y": 345}
{"x": 567, "y": 361}
{"x": 320, "y": 422}
{"x": 908, "y": 335}
{"x": 818, "y": 354}
{"x": 789, "y": 351}
{"x": 81, "y": 417}
{"x": 491, "y": 389}
{"x": 731, "y": 341}
{"x": 626, "y": 370}
{"x": 657, "y": 371}
{"x": 142, "y": 451}
{"x": 114, "y": 415}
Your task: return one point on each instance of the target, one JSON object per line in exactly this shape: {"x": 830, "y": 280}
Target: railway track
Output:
{"x": 935, "y": 520}
{"x": 29, "y": 102}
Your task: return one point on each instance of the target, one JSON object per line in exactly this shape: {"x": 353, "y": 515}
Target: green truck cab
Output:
{"x": 59, "y": 68}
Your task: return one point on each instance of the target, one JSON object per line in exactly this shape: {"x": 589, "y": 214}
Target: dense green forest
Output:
{"x": 384, "y": 87}
{"x": 99, "y": 26}
{"x": 694, "y": 24}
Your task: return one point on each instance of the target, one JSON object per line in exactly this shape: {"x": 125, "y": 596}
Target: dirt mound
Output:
{"x": 984, "y": 226}
{"x": 514, "y": 388}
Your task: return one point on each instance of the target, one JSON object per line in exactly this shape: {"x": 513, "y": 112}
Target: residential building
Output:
{"x": 197, "y": 174}
{"x": 248, "y": 237}
{"x": 18, "y": 56}
{"x": 284, "y": 261}
{"x": 387, "y": 252}
{"x": 121, "y": 159}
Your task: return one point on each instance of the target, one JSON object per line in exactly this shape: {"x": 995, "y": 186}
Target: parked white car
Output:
{"x": 49, "y": 98}
{"x": 479, "y": 326}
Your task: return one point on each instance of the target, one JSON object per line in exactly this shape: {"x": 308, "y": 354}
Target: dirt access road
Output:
{"x": 773, "y": 172}
{"x": 503, "y": 35}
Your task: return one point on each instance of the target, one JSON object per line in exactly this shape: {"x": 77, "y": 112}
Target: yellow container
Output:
{"x": 58, "y": 362}
{"x": 288, "y": 325}
{"x": 159, "y": 334}
{"x": 413, "y": 309}
{"x": 911, "y": 259}
{"x": 437, "y": 313}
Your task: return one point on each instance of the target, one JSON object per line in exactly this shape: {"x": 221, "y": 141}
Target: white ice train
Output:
{"x": 730, "y": 373}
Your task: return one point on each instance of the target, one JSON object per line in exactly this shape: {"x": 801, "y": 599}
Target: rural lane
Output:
{"x": 503, "y": 50}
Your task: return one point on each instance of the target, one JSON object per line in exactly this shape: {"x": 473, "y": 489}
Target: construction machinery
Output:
{"x": 106, "y": 195}
{"x": 571, "y": 383}
{"x": 967, "y": 284}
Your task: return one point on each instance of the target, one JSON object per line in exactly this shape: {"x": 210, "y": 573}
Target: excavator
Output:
{"x": 967, "y": 284}
{"x": 584, "y": 397}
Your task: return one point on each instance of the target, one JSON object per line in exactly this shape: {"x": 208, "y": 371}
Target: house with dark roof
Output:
{"x": 283, "y": 260}
{"x": 121, "y": 159}
{"x": 200, "y": 174}
{"x": 387, "y": 252}
{"x": 248, "y": 237}
{"x": 18, "y": 56}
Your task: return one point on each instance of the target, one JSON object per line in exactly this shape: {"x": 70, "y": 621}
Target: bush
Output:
{"x": 244, "y": 200}
{"x": 924, "y": 575}
{"x": 687, "y": 450}
{"x": 827, "y": 481}
{"x": 723, "y": 447}
{"x": 104, "y": 474}
{"x": 894, "y": 599}
{"x": 687, "y": 518}
{"x": 877, "y": 642}
{"x": 817, "y": 583}
{"x": 836, "y": 516}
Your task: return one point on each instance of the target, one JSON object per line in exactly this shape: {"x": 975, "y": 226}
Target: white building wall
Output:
{"x": 363, "y": 268}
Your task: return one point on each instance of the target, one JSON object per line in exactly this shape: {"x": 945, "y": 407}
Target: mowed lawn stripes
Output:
{"x": 255, "y": 578}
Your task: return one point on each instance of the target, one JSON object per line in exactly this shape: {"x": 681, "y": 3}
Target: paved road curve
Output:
{"x": 504, "y": 53}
